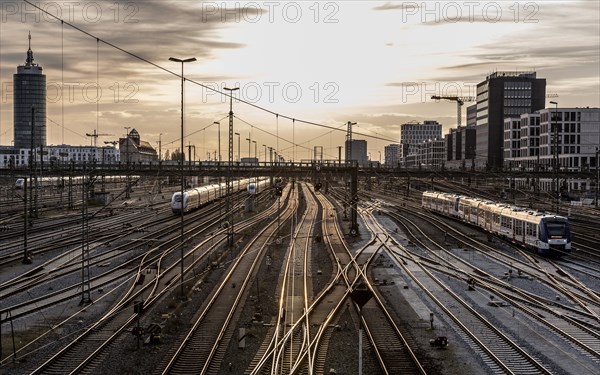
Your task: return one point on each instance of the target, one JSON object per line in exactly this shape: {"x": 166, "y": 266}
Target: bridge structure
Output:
{"x": 317, "y": 171}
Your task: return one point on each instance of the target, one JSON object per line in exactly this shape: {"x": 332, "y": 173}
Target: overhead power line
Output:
{"x": 136, "y": 56}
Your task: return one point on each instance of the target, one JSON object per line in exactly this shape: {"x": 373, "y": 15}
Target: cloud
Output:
{"x": 397, "y": 6}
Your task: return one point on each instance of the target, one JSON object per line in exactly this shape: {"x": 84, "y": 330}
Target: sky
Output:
{"x": 327, "y": 63}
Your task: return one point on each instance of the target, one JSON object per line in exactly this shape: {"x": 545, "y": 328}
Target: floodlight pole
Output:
{"x": 191, "y": 59}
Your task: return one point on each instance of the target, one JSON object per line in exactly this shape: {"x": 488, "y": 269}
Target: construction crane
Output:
{"x": 460, "y": 100}
{"x": 114, "y": 143}
{"x": 95, "y": 136}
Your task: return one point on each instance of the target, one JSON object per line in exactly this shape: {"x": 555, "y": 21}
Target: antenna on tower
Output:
{"x": 29, "y": 61}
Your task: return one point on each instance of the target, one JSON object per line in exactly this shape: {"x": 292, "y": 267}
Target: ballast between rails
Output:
{"x": 548, "y": 234}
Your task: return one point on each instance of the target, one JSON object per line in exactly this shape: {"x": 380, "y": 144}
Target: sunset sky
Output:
{"x": 325, "y": 62}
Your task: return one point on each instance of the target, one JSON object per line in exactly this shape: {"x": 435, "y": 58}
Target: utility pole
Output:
{"x": 127, "y": 196}
{"x": 32, "y": 169}
{"x": 160, "y": 147}
{"x": 26, "y": 257}
{"x": 85, "y": 243}
{"x": 597, "y": 176}
{"x": 349, "y": 142}
{"x": 190, "y": 146}
{"x": 228, "y": 202}
{"x": 555, "y": 154}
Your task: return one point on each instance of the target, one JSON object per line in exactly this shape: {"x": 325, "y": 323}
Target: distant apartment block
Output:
{"x": 58, "y": 155}
{"x": 358, "y": 151}
{"x": 529, "y": 142}
{"x": 413, "y": 135}
{"x": 432, "y": 154}
{"x": 460, "y": 147}
{"x": 502, "y": 95}
{"x": 392, "y": 155}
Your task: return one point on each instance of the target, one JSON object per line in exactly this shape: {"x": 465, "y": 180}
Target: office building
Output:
{"x": 392, "y": 155}
{"x": 359, "y": 151}
{"x": 502, "y": 95}
{"x": 134, "y": 150}
{"x": 29, "y": 92}
{"x": 412, "y": 137}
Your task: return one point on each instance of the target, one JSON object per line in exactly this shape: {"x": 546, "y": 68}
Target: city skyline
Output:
{"x": 376, "y": 64}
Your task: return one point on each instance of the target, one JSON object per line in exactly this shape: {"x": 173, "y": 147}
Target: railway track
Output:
{"x": 85, "y": 351}
{"x": 198, "y": 350}
{"x": 538, "y": 311}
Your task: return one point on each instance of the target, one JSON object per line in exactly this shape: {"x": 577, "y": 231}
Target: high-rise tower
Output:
{"x": 502, "y": 95}
{"x": 29, "y": 85}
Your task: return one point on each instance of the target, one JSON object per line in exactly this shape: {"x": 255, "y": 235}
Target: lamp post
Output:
{"x": 238, "y": 152}
{"x": 127, "y": 144}
{"x": 182, "y": 61}
{"x": 555, "y": 154}
{"x": 159, "y": 147}
{"x": 219, "y": 140}
{"x": 265, "y": 146}
{"x": 249, "y": 142}
{"x": 255, "y": 156}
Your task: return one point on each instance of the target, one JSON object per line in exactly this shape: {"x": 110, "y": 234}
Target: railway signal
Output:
{"x": 360, "y": 295}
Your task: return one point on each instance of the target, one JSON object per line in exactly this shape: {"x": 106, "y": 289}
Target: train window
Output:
{"x": 555, "y": 229}
{"x": 518, "y": 228}
{"x": 529, "y": 227}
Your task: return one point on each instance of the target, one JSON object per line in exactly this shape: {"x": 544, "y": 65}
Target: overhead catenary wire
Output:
{"x": 136, "y": 56}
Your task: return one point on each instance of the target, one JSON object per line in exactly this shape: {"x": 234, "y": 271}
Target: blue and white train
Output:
{"x": 257, "y": 185}
{"x": 196, "y": 197}
{"x": 546, "y": 233}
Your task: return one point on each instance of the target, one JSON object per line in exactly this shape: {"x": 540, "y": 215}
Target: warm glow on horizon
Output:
{"x": 326, "y": 62}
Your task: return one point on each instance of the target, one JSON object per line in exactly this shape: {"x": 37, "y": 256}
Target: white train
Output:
{"x": 196, "y": 197}
{"x": 546, "y": 233}
{"x": 257, "y": 185}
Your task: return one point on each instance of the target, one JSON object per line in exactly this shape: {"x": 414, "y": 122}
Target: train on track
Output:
{"x": 546, "y": 233}
{"x": 60, "y": 182}
{"x": 196, "y": 197}
{"x": 257, "y": 185}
